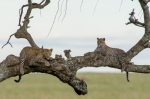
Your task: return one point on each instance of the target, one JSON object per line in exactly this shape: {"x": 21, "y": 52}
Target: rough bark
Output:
{"x": 66, "y": 70}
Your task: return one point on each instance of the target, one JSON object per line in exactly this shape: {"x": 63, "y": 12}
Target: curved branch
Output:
{"x": 66, "y": 70}
{"x": 142, "y": 44}
{"x": 10, "y": 68}
{"x": 22, "y": 31}
{"x": 27, "y": 36}
{"x": 134, "y": 21}
{"x": 146, "y": 13}
{"x": 31, "y": 6}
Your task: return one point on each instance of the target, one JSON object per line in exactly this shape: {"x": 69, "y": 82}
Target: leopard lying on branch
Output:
{"x": 30, "y": 54}
{"x": 119, "y": 54}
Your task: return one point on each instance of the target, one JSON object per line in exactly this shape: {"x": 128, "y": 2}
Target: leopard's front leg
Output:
{"x": 41, "y": 59}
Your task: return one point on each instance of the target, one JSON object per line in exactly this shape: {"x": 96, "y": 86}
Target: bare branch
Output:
{"x": 10, "y": 68}
{"x": 32, "y": 6}
{"x": 95, "y": 7}
{"x": 61, "y": 10}
{"x": 54, "y": 19}
{"x": 135, "y": 21}
{"x": 8, "y": 41}
{"x": 22, "y": 31}
{"x": 142, "y": 43}
{"x": 65, "y": 10}
{"x": 42, "y": 2}
{"x": 81, "y": 5}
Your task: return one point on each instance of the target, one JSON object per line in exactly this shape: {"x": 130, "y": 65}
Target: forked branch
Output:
{"x": 143, "y": 42}
{"x": 134, "y": 21}
{"x": 8, "y": 41}
{"x": 31, "y": 6}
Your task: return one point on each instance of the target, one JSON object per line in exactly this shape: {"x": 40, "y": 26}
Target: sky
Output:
{"x": 77, "y": 30}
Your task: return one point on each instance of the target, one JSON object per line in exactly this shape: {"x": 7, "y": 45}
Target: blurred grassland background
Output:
{"x": 100, "y": 86}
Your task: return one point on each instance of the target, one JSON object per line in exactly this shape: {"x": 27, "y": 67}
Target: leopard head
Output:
{"x": 100, "y": 42}
{"x": 67, "y": 53}
{"x": 47, "y": 53}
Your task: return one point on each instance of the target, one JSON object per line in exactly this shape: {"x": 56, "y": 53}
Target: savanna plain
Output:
{"x": 100, "y": 86}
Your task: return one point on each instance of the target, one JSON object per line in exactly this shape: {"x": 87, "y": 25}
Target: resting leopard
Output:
{"x": 67, "y": 54}
{"x": 112, "y": 52}
{"x": 33, "y": 54}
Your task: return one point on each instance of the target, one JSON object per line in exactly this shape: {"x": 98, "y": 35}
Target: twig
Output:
{"x": 40, "y": 9}
{"x": 65, "y": 10}
{"x": 20, "y": 13}
{"x": 8, "y": 41}
{"x": 120, "y": 5}
{"x": 81, "y": 5}
{"x": 42, "y": 2}
{"x": 60, "y": 10}
{"x": 32, "y": 6}
{"x": 95, "y": 7}
{"x": 54, "y": 19}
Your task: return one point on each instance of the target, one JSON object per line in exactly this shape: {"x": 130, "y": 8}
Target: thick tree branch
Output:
{"x": 10, "y": 68}
{"x": 66, "y": 70}
{"x": 143, "y": 42}
{"x": 145, "y": 8}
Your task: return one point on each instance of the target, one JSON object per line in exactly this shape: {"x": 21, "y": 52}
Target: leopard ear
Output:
{"x": 103, "y": 39}
{"x": 42, "y": 47}
{"x": 97, "y": 38}
{"x": 51, "y": 49}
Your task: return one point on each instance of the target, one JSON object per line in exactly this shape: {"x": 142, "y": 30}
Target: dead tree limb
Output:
{"x": 142, "y": 43}
{"x": 22, "y": 31}
{"x": 134, "y": 21}
{"x": 66, "y": 70}
{"x": 8, "y": 41}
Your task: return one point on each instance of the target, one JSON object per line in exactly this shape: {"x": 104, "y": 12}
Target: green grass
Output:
{"x": 100, "y": 86}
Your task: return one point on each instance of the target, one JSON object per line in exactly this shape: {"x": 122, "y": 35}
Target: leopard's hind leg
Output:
{"x": 21, "y": 65}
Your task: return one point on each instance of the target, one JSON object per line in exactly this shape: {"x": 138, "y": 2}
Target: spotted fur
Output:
{"x": 67, "y": 54}
{"x": 112, "y": 52}
{"x": 33, "y": 54}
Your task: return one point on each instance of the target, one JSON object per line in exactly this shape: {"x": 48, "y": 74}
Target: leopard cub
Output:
{"x": 33, "y": 54}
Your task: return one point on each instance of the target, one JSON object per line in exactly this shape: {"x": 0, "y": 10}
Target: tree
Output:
{"x": 66, "y": 70}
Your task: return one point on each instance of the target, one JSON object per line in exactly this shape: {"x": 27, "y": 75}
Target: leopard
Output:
{"x": 67, "y": 54}
{"x": 117, "y": 53}
{"x": 29, "y": 54}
